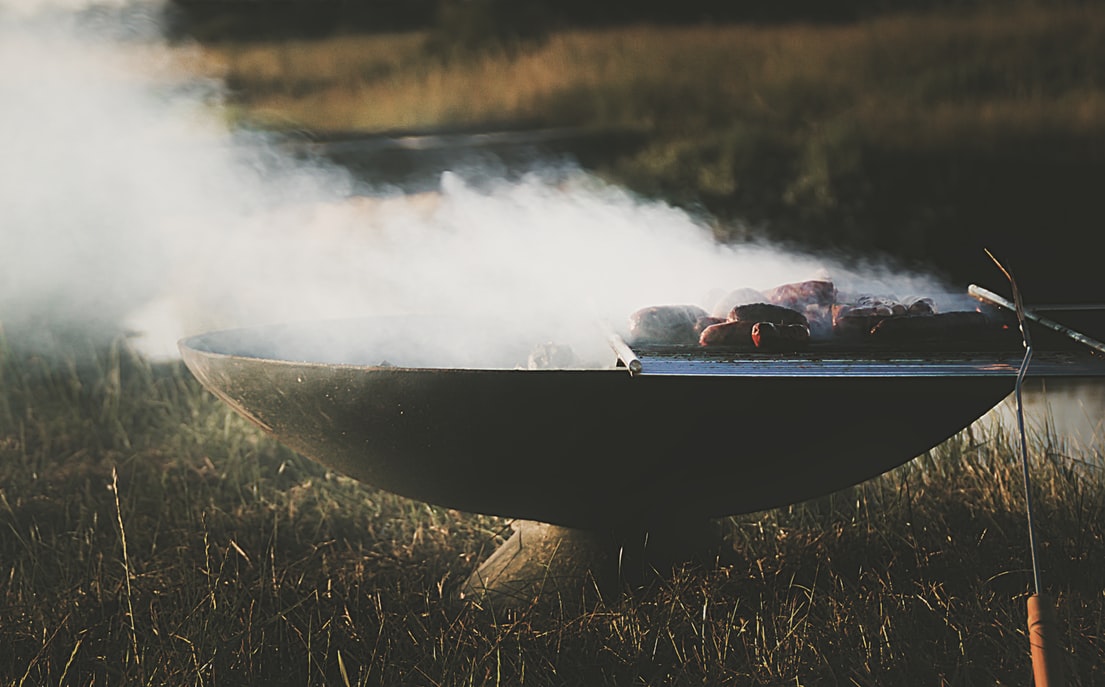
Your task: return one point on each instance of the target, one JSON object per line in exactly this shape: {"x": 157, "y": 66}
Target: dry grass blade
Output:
{"x": 127, "y": 574}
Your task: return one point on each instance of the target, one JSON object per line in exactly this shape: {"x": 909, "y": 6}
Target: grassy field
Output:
{"x": 150, "y": 536}
{"x": 902, "y": 81}
{"x": 926, "y": 137}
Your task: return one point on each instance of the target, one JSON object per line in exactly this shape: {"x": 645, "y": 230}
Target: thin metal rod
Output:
{"x": 1018, "y": 306}
{"x": 1024, "y": 467}
{"x": 991, "y": 297}
{"x": 1069, "y": 307}
{"x": 622, "y": 349}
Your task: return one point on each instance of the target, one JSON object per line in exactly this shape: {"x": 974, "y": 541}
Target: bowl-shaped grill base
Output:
{"x": 593, "y": 448}
{"x": 590, "y": 460}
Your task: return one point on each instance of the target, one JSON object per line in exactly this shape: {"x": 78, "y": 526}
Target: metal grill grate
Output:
{"x": 697, "y": 361}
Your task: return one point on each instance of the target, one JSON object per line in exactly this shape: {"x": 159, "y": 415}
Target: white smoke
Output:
{"x": 119, "y": 173}
{"x": 126, "y": 198}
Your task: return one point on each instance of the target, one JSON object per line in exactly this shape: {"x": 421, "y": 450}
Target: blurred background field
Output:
{"x": 926, "y": 136}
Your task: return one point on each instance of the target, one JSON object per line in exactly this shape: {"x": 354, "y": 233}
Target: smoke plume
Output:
{"x": 127, "y": 200}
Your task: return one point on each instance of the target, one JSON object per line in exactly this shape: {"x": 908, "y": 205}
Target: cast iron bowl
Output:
{"x": 586, "y": 448}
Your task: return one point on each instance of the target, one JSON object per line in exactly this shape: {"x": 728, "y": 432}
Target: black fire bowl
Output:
{"x": 588, "y": 450}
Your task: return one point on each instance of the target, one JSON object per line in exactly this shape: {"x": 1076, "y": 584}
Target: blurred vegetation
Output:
{"x": 148, "y": 535}
{"x": 927, "y": 136}
{"x": 244, "y": 20}
{"x": 464, "y": 28}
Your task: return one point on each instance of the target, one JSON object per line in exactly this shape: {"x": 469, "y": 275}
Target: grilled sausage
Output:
{"x": 780, "y": 337}
{"x": 731, "y": 333}
{"x": 965, "y": 327}
{"x": 723, "y": 307}
{"x": 767, "y": 312}
{"x": 703, "y": 322}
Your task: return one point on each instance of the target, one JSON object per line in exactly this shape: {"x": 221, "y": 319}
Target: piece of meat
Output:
{"x": 767, "y": 312}
{"x": 780, "y": 337}
{"x": 732, "y": 333}
{"x": 920, "y": 306}
{"x": 725, "y": 305}
{"x": 872, "y": 311}
{"x": 665, "y": 324}
{"x": 798, "y": 295}
{"x": 703, "y": 322}
{"x": 840, "y": 310}
{"x": 956, "y": 328}
{"x": 850, "y": 323}
{"x": 879, "y": 305}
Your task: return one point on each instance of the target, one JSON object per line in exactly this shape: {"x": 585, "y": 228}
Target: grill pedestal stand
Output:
{"x": 551, "y": 565}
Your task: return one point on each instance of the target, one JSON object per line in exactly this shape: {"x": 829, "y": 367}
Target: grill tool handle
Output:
{"x": 991, "y": 297}
{"x": 1042, "y": 629}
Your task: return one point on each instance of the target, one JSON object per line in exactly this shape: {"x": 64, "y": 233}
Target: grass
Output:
{"x": 150, "y": 536}
{"x": 993, "y": 72}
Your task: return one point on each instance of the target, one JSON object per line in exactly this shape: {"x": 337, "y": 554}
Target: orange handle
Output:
{"x": 1041, "y": 637}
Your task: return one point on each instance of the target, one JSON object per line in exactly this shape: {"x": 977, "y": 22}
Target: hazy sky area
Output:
{"x": 126, "y": 199}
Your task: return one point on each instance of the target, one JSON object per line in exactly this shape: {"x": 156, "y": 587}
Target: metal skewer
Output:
{"x": 1045, "y": 666}
{"x": 991, "y": 297}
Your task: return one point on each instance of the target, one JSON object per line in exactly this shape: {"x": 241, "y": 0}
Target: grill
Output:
{"x": 689, "y": 433}
{"x": 598, "y": 466}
